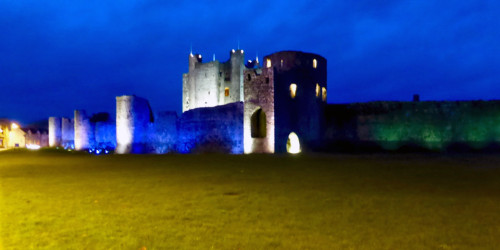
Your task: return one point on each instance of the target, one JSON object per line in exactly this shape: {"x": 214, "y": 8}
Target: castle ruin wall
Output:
{"x": 68, "y": 133}
{"x": 134, "y": 120}
{"x": 164, "y": 134}
{"x": 105, "y": 134}
{"x": 84, "y": 131}
{"x": 54, "y": 131}
{"x": 259, "y": 94}
{"x": 435, "y": 125}
{"x": 215, "y": 129}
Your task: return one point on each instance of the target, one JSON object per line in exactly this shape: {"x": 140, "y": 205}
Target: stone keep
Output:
{"x": 213, "y": 83}
{"x": 134, "y": 119}
{"x": 54, "y": 131}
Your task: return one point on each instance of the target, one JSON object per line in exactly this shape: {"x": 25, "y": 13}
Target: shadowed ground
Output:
{"x": 58, "y": 200}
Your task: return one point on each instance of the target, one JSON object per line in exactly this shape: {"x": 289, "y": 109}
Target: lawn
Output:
{"x": 58, "y": 200}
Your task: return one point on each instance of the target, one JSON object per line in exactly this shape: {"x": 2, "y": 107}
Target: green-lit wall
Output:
{"x": 433, "y": 125}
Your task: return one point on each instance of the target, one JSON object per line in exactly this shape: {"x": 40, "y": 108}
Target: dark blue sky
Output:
{"x": 57, "y": 56}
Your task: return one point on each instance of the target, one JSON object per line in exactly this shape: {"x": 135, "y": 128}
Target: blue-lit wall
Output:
{"x": 105, "y": 135}
{"x": 163, "y": 137}
{"x": 216, "y": 129}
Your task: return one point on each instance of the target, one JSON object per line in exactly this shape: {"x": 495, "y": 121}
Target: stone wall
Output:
{"x": 105, "y": 135}
{"x": 36, "y": 137}
{"x": 259, "y": 95}
{"x": 84, "y": 131}
{"x": 54, "y": 131}
{"x": 216, "y": 129}
{"x": 431, "y": 125}
{"x": 206, "y": 78}
{"x": 67, "y": 133}
{"x": 164, "y": 133}
{"x": 134, "y": 119}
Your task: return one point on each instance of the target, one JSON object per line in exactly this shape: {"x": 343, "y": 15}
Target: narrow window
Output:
{"x": 293, "y": 90}
{"x": 258, "y": 124}
{"x": 315, "y": 63}
{"x": 323, "y": 92}
{"x": 282, "y": 63}
{"x": 226, "y": 91}
{"x": 267, "y": 80}
{"x": 268, "y": 63}
{"x": 317, "y": 90}
{"x": 249, "y": 77}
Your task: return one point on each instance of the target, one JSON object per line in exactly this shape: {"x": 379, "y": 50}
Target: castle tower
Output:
{"x": 133, "y": 119}
{"x": 258, "y": 120}
{"x": 54, "y": 131}
{"x": 237, "y": 59}
{"x": 188, "y": 83}
{"x": 284, "y": 103}
{"x": 213, "y": 83}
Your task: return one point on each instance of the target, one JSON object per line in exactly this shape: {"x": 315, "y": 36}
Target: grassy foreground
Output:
{"x": 59, "y": 200}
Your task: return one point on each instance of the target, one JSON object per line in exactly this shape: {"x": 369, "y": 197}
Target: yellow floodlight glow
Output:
{"x": 315, "y": 63}
{"x": 317, "y": 90}
{"x": 323, "y": 92}
{"x": 268, "y": 63}
{"x": 293, "y": 144}
{"x": 32, "y": 146}
{"x": 293, "y": 90}
{"x": 14, "y": 126}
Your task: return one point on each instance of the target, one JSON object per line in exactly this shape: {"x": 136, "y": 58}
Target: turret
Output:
{"x": 237, "y": 58}
{"x": 193, "y": 59}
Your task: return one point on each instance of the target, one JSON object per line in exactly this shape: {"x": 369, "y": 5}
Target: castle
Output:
{"x": 242, "y": 107}
{"x": 281, "y": 100}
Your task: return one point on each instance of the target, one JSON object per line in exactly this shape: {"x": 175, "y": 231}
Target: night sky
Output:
{"x": 57, "y": 56}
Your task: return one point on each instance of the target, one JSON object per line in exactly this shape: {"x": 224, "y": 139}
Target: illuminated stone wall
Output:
{"x": 163, "y": 137}
{"x": 67, "y": 133}
{"x": 134, "y": 119}
{"x": 432, "y": 125}
{"x": 84, "y": 131}
{"x": 216, "y": 129}
{"x": 105, "y": 135}
{"x": 259, "y": 94}
{"x": 55, "y": 132}
{"x": 37, "y": 137}
{"x": 205, "y": 83}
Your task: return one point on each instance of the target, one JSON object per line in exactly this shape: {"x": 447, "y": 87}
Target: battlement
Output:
{"x": 288, "y": 60}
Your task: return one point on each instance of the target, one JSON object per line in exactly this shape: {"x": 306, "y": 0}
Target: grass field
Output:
{"x": 57, "y": 200}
